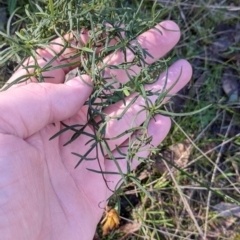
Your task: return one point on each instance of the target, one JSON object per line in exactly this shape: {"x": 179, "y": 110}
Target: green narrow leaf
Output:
{"x": 135, "y": 180}
{"x": 166, "y": 113}
{"x": 65, "y": 129}
{"x": 102, "y": 172}
{"x": 11, "y": 6}
{"x": 10, "y": 20}
{"x": 70, "y": 16}
{"x": 86, "y": 49}
{"x": 51, "y": 7}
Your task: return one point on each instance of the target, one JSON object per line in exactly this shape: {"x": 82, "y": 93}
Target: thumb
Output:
{"x": 27, "y": 109}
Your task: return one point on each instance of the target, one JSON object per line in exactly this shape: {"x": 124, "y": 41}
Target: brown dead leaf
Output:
{"x": 228, "y": 36}
{"x": 178, "y": 154}
{"x": 227, "y": 209}
{"x": 230, "y": 85}
{"x": 129, "y": 228}
{"x": 227, "y": 224}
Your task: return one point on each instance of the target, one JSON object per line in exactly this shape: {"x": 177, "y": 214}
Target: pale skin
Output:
{"x": 42, "y": 196}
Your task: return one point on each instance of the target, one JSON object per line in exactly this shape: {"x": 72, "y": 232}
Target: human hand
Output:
{"x": 42, "y": 196}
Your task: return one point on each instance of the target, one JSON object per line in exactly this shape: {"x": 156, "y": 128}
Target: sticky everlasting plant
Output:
{"x": 97, "y": 31}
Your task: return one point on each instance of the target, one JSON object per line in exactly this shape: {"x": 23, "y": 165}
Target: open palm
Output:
{"x": 42, "y": 196}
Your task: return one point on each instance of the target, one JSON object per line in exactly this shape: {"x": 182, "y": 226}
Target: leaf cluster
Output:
{"x": 105, "y": 21}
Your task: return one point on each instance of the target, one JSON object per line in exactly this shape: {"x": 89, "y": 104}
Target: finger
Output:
{"x": 43, "y": 56}
{"x": 158, "y": 44}
{"x": 157, "y": 41}
{"x": 36, "y": 105}
{"x": 158, "y": 129}
{"x": 136, "y": 114}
